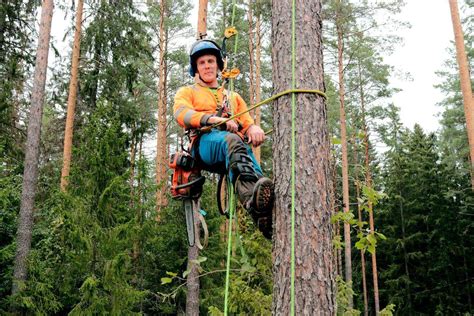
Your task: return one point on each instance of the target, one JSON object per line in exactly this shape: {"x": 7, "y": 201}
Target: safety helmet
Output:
{"x": 201, "y": 48}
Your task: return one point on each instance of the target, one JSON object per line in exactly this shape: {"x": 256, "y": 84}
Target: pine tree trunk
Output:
{"x": 251, "y": 60}
{"x": 465, "y": 81}
{"x": 314, "y": 271}
{"x": 368, "y": 180}
{"x": 192, "y": 299}
{"x": 71, "y": 101}
{"x": 193, "y": 286}
{"x": 345, "y": 164}
{"x": 258, "y": 52}
{"x": 161, "y": 153}
{"x": 359, "y": 209}
{"x": 202, "y": 19}
{"x": 133, "y": 149}
{"x": 359, "y": 213}
{"x": 336, "y": 226}
{"x": 30, "y": 175}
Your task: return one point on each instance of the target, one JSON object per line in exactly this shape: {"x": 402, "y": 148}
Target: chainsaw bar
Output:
{"x": 188, "y": 211}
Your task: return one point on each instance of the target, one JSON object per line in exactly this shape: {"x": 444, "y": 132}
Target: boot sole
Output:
{"x": 264, "y": 196}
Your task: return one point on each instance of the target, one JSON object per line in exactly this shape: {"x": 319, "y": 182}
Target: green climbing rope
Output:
{"x": 231, "y": 188}
{"x": 229, "y": 243}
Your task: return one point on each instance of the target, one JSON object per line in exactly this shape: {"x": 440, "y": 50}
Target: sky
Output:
{"x": 423, "y": 52}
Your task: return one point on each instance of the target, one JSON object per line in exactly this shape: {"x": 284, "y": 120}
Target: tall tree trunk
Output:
{"x": 254, "y": 87}
{"x": 251, "y": 59}
{"x": 71, "y": 101}
{"x": 345, "y": 164}
{"x": 359, "y": 213}
{"x": 335, "y": 227}
{"x": 161, "y": 152}
{"x": 314, "y": 290}
{"x": 465, "y": 81}
{"x": 193, "y": 286}
{"x": 202, "y": 19}
{"x": 359, "y": 208}
{"x": 30, "y": 174}
{"x": 368, "y": 180}
{"x": 258, "y": 53}
{"x": 192, "y": 298}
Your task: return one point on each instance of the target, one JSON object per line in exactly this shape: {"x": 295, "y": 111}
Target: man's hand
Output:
{"x": 231, "y": 126}
{"x": 255, "y": 135}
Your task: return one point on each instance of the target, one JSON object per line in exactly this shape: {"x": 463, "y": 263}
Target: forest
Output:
{"x": 381, "y": 214}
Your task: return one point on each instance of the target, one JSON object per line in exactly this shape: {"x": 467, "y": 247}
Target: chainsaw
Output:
{"x": 186, "y": 185}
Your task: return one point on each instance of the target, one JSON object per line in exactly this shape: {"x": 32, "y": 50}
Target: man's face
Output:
{"x": 207, "y": 68}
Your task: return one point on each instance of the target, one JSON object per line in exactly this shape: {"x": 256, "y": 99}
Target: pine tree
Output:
{"x": 30, "y": 175}
{"x": 312, "y": 209}
{"x": 465, "y": 81}
{"x": 71, "y": 108}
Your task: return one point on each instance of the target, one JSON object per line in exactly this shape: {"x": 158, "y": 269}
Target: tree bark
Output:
{"x": 368, "y": 181}
{"x": 258, "y": 53}
{"x": 202, "y": 19}
{"x": 314, "y": 272}
{"x": 345, "y": 164}
{"x": 192, "y": 299}
{"x": 251, "y": 59}
{"x": 71, "y": 101}
{"x": 30, "y": 174}
{"x": 465, "y": 81}
{"x": 161, "y": 152}
{"x": 193, "y": 286}
{"x": 359, "y": 209}
{"x": 359, "y": 213}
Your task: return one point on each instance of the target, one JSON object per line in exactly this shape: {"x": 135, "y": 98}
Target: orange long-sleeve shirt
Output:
{"x": 194, "y": 104}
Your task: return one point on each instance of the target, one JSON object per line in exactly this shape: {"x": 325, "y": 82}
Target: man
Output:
{"x": 223, "y": 150}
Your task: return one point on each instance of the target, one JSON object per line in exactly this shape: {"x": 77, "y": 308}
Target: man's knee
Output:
{"x": 234, "y": 143}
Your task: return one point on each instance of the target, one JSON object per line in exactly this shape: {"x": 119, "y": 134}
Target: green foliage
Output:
{"x": 426, "y": 249}
{"x": 344, "y": 294}
{"x": 98, "y": 249}
{"x": 388, "y": 310}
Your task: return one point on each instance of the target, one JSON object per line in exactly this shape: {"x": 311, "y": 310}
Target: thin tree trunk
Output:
{"x": 71, "y": 101}
{"x": 202, "y": 19}
{"x": 465, "y": 81}
{"x": 140, "y": 216}
{"x": 359, "y": 213}
{"x": 314, "y": 291}
{"x": 335, "y": 227}
{"x": 193, "y": 286}
{"x": 251, "y": 59}
{"x": 345, "y": 164}
{"x": 30, "y": 174}
{"x": 368, "y": 180}
{"x": 258, "y": 52}
{"x": 133, "y": 150}
{"x": 161, "y": 153}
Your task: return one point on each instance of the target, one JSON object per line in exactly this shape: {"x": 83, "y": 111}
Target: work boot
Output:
{"x": 257, "y": 198}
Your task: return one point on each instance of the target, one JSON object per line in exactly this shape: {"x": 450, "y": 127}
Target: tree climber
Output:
{"x": 224, "y": 150}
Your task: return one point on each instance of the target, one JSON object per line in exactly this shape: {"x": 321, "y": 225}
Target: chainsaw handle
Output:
{"x": 182, "y": 186}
